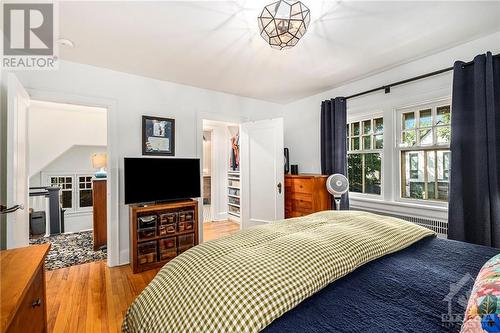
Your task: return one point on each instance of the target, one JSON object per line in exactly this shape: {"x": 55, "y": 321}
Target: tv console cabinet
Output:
{"x": 160, "y": 232}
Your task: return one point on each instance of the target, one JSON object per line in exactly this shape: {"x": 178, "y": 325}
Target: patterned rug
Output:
{"x": 69, "y": 250}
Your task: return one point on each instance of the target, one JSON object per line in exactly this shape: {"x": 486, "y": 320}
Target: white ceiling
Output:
{"x": 216, "y": 45}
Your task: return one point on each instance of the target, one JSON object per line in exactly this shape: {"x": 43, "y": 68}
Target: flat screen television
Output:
{"x": 161, "y": 179}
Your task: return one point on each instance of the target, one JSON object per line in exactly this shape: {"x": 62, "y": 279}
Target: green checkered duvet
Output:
{"x": 241, "y": 283}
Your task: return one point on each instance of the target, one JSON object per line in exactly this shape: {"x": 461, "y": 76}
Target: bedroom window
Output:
{"x": 85, "y": 191}
{"x": 365, "y": 141}
{"x": 76, "y": 191}
{"x": 424, "y": 144}
{"x": 65, "y": 183}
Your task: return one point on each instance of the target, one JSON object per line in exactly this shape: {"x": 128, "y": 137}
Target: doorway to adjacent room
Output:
{"x": 67, "y": 181}
{"x": 221, "y": 179}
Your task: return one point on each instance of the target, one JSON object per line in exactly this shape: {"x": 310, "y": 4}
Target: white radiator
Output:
{"x": 438, "y": 226}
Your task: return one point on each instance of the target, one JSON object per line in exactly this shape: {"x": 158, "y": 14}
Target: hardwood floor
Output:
{"x": 214, "y": 230}
{"x": 93, "y": 297}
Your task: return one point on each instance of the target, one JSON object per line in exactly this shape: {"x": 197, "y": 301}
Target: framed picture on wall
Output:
{"x": 158, "y": 136}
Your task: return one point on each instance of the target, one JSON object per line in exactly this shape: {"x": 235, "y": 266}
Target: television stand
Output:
{"x": 156, "y": 203}
{"x": 161, "y": 231}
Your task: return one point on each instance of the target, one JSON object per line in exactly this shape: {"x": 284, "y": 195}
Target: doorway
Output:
{"x": 221, "y": 179}
{"x": 67, "y": 170}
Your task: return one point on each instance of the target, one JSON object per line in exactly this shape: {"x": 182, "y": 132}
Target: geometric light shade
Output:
{"x": 283, "y": 23}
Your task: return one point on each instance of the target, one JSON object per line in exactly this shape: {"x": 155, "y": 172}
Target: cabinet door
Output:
{"x": 99, "y": 197}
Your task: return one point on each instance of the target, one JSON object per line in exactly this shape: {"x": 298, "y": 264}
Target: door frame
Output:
{"x": 212, "y": 190}
{"x": 113, "y": 180}
{"x": 17, "y": 231}
{"x": 200, "y": 116}
{"x": 3, "y": 155}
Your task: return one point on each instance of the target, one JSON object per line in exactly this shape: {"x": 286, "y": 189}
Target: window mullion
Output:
{"x": 416, "y": 114}
{"x": 363, "y": 183}
{"x": 403, "y": 174}
{"x": 74, "y": 189}
{"x": 426, "y": 177}
{"x": 436, "y": 196}
{"x": 433, "y": 125}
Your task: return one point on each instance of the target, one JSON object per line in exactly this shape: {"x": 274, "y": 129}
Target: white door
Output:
{"x": 16, "y": 206}
{"x": 262, "y": 172}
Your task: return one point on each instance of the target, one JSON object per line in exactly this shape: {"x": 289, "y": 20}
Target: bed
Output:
{"x": 327, "y": 272}
{"x": 403, "y": 292}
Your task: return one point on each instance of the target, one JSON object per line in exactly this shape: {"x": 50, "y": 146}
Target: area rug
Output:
{"x": 69, "y": 250}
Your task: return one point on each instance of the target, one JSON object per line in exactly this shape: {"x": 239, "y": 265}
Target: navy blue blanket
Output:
{"x": 408, "y": 291}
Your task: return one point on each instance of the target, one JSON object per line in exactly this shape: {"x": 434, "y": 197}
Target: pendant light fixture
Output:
{"x": 283, "y": 23}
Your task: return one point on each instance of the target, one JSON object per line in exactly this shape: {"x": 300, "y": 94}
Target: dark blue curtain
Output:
{"x": 333, "y": 141}
{"x": 474, "y": 201}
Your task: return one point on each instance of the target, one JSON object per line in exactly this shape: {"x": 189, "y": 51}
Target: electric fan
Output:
{"x": 337, "y": 184}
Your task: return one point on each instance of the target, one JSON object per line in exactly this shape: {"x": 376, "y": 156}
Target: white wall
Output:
{"x": 134, "y": 96}
{"x": 77, "y": 159}
{"x": 55, "y": 127}
{"x": 302, "y": 118}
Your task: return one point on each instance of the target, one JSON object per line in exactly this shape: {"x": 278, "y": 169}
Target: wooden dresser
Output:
{"x": 305, "y": 194}
{"x": 22, "y": 289}
{"x": 100, "y": 212}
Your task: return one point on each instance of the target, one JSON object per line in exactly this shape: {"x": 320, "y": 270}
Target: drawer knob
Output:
{"x": 36, "y": 302}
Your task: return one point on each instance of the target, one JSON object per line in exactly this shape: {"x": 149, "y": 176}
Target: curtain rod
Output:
{"x": 387, "y": 88}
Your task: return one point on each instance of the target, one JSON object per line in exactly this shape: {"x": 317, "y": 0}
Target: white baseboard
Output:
{"x": 221, "y": 216}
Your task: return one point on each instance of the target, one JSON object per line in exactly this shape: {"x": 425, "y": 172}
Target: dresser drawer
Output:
{"x": 301, "y": 205}
{"x": 300, "y": 196}
{"x": 298, "y": 214}
{"x": 30, "y": 316}
{"x": 301, "y": 185}
{"x": 301, "y": 202}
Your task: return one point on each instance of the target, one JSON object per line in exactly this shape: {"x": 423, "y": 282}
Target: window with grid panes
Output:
{"x": 65, "y": 183}
{"x": 76, "y": 191}
{"x": 365, "y": 141}
{"x": 424, "y": 143}
{"x": 84, "y": 191}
